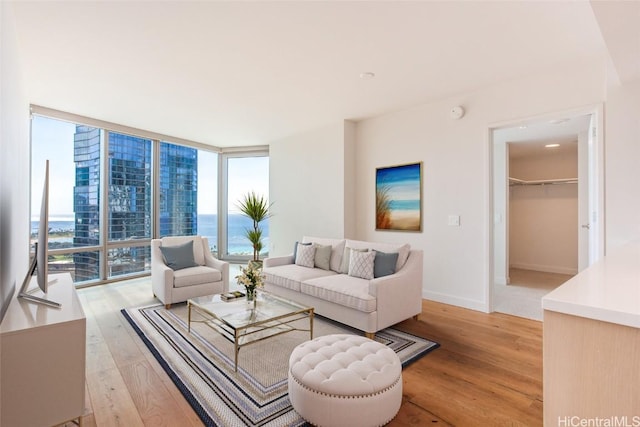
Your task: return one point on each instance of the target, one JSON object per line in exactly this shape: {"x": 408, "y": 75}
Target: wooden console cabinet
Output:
{"x": 43, "y": 359}
{"x": 591, "y": 344}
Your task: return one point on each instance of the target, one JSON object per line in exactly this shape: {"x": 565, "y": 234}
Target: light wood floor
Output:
{"x": 487, "y": 372}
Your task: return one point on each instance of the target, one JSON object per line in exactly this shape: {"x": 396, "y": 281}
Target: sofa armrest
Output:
{"x": 399, "y": 295}
{"x": 161, "y": 274}
{"x": 276, "y": 261}
{"x": 222, "y": 266}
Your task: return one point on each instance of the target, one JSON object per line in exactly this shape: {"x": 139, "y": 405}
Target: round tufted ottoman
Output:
{"x": 345, "y": 380}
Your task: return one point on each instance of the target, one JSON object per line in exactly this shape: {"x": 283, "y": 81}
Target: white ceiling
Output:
{"x": 247, "y": 73}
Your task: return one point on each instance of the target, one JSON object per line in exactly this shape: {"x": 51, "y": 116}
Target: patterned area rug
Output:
{"x": 201, "y": 364}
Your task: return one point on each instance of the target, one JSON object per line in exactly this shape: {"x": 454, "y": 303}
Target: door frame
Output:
{"x": 596, "y": 185}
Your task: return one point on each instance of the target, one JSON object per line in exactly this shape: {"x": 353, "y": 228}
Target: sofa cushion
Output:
{"x": 195, "y": 276}
{"x": 342, "y": 289}
{"x": 305, "y": 256}
{"x": 384, "y": 264}
{"x": 337, "y": 246}
{"x": 322, "y": 256}
{"x": 179, "y": 256}
{"x": 402, "y": 249}
{"x": 290, "y": 275}
{"x": 361, "y": 264}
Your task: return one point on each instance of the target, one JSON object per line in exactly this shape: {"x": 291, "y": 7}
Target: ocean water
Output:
{"x": 61, "y": 232}
{"x": 404, "y": 205}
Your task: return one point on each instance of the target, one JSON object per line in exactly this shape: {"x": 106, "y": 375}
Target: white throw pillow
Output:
{"x": 403, "y": 254}
{"x": 361, "y": 264}
{"x": 305, "y": 255}
{"x": 346, "y": 259}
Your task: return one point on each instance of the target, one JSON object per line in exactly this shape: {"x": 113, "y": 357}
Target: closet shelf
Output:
{"x": 516, "y": 181}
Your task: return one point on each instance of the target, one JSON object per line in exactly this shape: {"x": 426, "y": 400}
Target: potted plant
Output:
{"x": 257, "y": 208}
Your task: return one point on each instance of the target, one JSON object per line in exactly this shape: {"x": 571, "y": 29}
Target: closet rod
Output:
{"x": 516, "y": 181}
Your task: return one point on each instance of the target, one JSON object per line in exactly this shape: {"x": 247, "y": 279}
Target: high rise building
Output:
{"x": 178, "y": 190}
{"x": 129, "y": 212}
{"x": 87, "y": 200}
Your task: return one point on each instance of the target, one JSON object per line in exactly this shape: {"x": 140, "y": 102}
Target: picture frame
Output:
{"x": 399, "y": 197}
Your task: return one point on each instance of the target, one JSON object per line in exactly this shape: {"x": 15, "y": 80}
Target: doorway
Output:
{"x": 545, "y": 207}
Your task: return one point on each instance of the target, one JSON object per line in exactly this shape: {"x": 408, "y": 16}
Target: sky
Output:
{"x": 53, "y": 140}
{"x": 403, "y": 181}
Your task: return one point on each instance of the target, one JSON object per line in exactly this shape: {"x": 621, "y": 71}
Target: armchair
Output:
{"x": 207, "y": 276}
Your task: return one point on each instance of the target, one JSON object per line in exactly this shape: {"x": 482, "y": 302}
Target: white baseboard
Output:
{"x": 546, "y": 268}
{"x": 501, "y": 280}
{"x": 457, "y": 301}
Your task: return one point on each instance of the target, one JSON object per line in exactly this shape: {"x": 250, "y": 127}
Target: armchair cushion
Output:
{"x": 179, "y": 256}
{"x": 196, "y": 276}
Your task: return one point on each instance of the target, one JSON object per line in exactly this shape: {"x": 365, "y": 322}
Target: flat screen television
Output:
{"x": 40, "y": 262}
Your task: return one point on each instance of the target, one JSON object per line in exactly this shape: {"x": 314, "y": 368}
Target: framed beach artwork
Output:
{"x": 399, "y": 197}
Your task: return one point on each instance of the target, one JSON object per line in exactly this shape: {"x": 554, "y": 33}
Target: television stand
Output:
{"x": 43, "y": 359}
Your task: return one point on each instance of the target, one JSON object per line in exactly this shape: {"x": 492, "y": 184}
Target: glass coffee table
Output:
{"x": 244, "y": 323}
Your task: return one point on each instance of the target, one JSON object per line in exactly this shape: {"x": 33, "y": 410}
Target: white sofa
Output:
{"x": 207, "y": 276}
{"x": 369, "y": 305}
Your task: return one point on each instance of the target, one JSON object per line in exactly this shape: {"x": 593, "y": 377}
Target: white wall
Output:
{"x": 543, "y": 228}
{"x": 456, "y": 171}
{"x": 543, "y": 220}
{"x": 622, "y": 167}
{"x": 547, "y": 165}
{"x": 14, "y": 161}
{"x": 312, "y": 181}
{"x": 500, "y": 214}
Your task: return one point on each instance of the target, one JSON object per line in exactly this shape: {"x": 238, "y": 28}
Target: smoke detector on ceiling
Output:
{"x": 456, "y": 112}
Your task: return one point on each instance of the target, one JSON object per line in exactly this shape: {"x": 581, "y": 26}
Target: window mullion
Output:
{"x": 104, "y": 208}
{"x": 155, "y": 189}
{"x": 223, "y": 191}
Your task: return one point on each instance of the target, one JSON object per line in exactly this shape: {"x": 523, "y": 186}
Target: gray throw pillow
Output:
{"x": 179, "y": 256}
{"x": 384, "y": 264}
{"x": 323, "y": 256}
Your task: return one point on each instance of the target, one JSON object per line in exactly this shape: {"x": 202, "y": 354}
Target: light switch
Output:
{"x": 454, "y": 220}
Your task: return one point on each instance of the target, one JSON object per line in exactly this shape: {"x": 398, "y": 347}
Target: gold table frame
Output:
{"x": 244, "y": 323}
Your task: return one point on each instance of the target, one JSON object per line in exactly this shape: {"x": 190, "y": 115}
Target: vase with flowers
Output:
{"x": 251, "y": 278}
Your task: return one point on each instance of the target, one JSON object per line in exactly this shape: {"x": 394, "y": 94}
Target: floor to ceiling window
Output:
{"x": 111, "y": 192}
{"x": 74, "y": 217}
{"x": 178, "y": 190}
{"x": 188, "y": 192}
{"x": 245, "y": 173}
{"x": 208, "y": 198}
{"x": 87, "y": 224}
{"x": 128, "y": 195}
